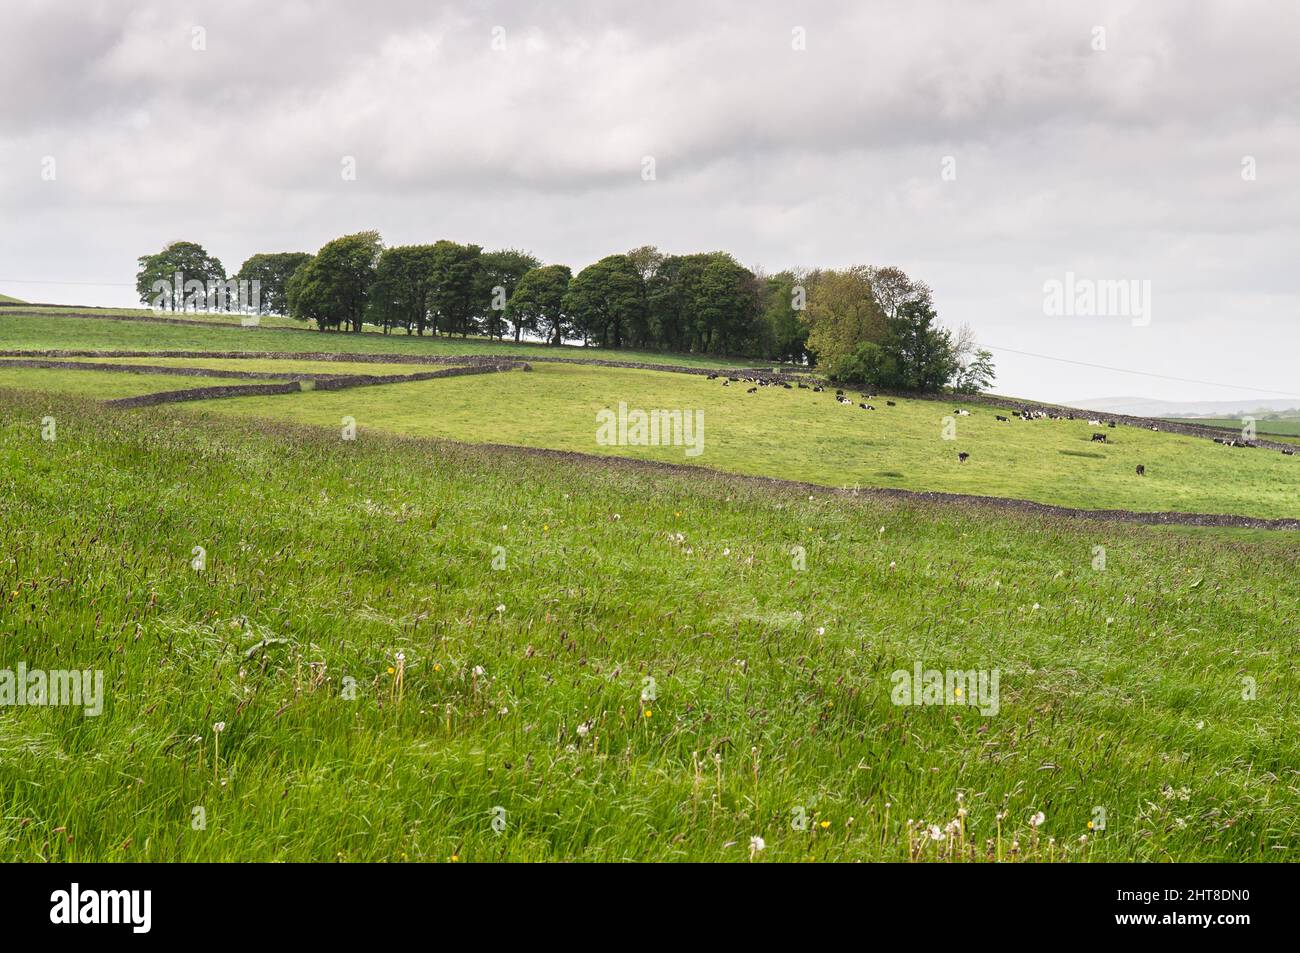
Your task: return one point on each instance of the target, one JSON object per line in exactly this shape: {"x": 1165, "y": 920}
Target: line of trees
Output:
{"x": 863, "y": 325}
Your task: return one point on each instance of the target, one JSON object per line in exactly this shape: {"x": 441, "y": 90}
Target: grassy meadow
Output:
{"x": 641, "y": 671}
{"x": 98, "y": 384}
{"x": 801, "y": 435}
{"x": 31, "y": 331}
{"x": 1286, "y": 429}
{"x": 788, "y": 434}
{"x": 414, "y": 646}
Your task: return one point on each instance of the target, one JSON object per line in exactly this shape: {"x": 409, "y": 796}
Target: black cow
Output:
{"x": 1001, "y": 418}
{"x": 963, "y": 457}
{"x": 890, "y": 403}
{"x": 1099, "y": 438}
{"x": 1141, "y": 470}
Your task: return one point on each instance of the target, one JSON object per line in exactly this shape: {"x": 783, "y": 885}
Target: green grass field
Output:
{"x": 519, "y": 693}
{"x": 411, "y": 637}
{"x": 1285, "y": 428}
{"x": 96, "y": 384}
{"x": 287, "y": 368}
{"x": 800, "y": 435}
{"x": 788, "y": 434}
{"x": 35, "y": 332}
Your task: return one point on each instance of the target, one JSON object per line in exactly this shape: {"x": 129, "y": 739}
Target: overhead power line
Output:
{"x": 1127, "y": 370}
{"x": 992, "y": 347}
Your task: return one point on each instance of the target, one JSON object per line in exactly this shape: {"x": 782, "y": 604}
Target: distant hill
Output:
{"x": 5, "y": 299}
{"x": 1147, "y": 407}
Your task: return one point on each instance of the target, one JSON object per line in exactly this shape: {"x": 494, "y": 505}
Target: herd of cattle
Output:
{"x": 760, "y": 380}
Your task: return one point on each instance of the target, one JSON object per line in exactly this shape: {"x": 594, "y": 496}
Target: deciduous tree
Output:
{"x": 333, "y": 289}
{"x": 178, "y": 277}
{"x": 400, "y": 296}
{"x": 454, "y": 282}
{"x": 606, "y": 301}
{"x": 499, "y": 274}
{"x": 272, "y": 272}
{"x": 537, "y": 305}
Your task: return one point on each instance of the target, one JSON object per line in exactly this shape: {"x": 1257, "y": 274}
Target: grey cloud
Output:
{"x": 1123, "y": 163}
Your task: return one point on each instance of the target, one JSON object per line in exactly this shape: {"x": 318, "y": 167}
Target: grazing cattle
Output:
{"x": 1141, "y": 470}
{"x": 803, "y": 386}
{"x": 726, "y": 383}
{"x": 752, "y": 390}
{"x": 1001, "y": 418}
{"x": 1288, "y": 453}
{"x": 1094, "y": 423}
{"x": 963, "y": 457}
{"x": 962, "y": 413}
{"x": 890, "y": 403}
{"x": 1099, "y": 438}
{"x": 1111, "y": 425}
{"x": 818, "y": 390}
{"x": 713, "y": 377}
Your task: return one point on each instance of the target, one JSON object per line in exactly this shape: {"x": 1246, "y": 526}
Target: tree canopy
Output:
{"x": 537, "y": 305}
{"x": 179, "y": 277}
{"x": 333, "y": 288}
{"x": 498, "y": 274}
{"x": 454, "y": 287}
{"x": 400, "y": 295}
{"x": 606, "y": 301}
{"x": 871, "y": 325}
{"x": 272, "y": 272}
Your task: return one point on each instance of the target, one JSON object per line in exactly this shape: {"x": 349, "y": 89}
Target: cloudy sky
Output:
{"x": 988, "y": 148}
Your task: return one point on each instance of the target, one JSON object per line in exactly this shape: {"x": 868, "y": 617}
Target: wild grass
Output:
{"x": 522, "y": 693}
{"x": 1285, "y": 428}
{"x": 800, "y": 435}
{"x": 98, "y": 384}
{"x": 38, "y": 332}
{"x": 272, "y": 365}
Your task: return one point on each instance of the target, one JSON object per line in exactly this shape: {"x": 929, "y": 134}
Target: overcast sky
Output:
{"x": 1105, "y": 139}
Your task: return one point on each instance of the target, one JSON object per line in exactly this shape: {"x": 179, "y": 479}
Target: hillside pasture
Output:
{"x": 645, "y": 668}
{"x": 801, "y": 435}
{"x": 41, "y": 332}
